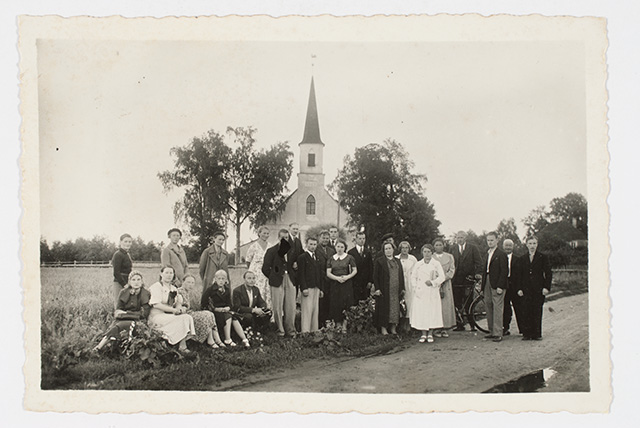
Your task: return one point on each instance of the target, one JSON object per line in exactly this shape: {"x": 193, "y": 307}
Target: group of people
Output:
{"x": 325, "y": 278}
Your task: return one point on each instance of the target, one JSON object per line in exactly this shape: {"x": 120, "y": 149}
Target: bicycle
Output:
{"x": 474, "y": 310}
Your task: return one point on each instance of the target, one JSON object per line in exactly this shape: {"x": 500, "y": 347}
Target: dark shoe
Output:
{"x": 497, "y": 339}
{"x": 490, "y": 336}
{"x": 526, "y": 338}
{"x": 537, "y": 338}
{"x": 459, "y": 328}
{"x": 506, "y": 333}
{"x": 473, "y": 329}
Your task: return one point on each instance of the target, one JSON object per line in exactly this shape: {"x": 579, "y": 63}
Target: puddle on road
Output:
{"x": 531, "y": 382}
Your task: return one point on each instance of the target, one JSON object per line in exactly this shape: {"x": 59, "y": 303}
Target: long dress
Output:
{"x": 255, "y": 257}
{"x": 204, "y": 321}
{"x": 448, "y": 309}
{"x": 341, "y": 293}
{"x": 407, "y": 266}
{"x": 426, "y": 309}
{"x": 174, "y": 328}
{"x": 135, "y": 304}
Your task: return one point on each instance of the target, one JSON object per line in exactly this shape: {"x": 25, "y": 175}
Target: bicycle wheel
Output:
{"x": 478, "y": 314}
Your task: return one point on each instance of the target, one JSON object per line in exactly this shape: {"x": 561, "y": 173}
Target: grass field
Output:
{"x": 77, "y": 306}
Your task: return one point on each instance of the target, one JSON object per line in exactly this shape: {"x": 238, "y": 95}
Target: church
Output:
{"x": 310, "y": 204}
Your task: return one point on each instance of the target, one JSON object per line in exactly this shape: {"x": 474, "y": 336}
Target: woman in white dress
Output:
{"x": 408, "y": 261}
{"x": 167, "y": 313}
{"x": 426, "y": 309}
{"x": 255, "y": 257}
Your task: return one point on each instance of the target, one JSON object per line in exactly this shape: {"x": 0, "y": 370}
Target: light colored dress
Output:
{"x": 174, "y": 328}
{"x": 448, "y": 309}
{"x": 407, "y": 266}
{"x": 255, "y": 258}
{"x": 426, "y": 308}
{"x": 204, "y": 321}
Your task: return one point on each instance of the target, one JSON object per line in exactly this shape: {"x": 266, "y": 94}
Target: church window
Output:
{"x": 311, "y": 205}
{"x": 311, "y": 159}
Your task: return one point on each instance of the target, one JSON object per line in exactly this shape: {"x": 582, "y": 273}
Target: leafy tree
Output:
{"x": 378, "y": 190}
{"x": 571, "y": 208}
{"x": 45, "y": 252}
{"x": 536, "y": 220}
{"x": 228, "y": 184}
{"x": 200, "y": 170}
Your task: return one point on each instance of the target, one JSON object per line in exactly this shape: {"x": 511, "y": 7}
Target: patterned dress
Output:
{"x": 204, "y": 321}
{"x": 174, "y": 328}
{"x": 448, "y": 310}
{"x": 255, "y": 257}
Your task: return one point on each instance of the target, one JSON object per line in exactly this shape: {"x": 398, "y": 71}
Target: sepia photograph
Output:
{"x": 356, "y": 209}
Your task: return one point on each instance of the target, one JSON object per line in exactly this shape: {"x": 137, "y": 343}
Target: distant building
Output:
{"x": 311, "y": 203}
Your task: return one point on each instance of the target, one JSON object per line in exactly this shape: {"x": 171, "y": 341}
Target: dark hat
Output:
{"x": 387, "y": 236}
{"x": 284, "y": 247}
{"x": 219, "y": 232}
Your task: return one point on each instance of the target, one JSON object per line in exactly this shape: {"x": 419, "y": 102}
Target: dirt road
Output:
{"x": 462, "y": 363}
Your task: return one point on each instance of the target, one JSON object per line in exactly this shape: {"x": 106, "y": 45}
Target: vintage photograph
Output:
{"x": 413, "y": 215}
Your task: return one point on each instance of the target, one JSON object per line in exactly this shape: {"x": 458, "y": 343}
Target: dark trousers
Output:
{"x": 324, "y": 307}
{"x": 255, "y": 322}
{"x": 511, "y": 298}
{"x": 460, "y": 293}
{"x": 532, "y": 304}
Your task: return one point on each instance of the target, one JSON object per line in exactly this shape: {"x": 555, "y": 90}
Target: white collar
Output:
{"x": 336, "y": 257}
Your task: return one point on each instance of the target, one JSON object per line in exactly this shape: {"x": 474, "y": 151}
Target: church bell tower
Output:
{"x": 311, "y": 147}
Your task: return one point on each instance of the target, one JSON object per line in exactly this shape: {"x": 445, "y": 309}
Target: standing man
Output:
{"x": 534, "y": 283}
{"x": 494, "y": 279}
{"x": 468, "y": 265}
{"x": 278, "y": 267}
{"x": 333, "y": 237}
{"x": 310, "y": 282}
{"x": 511, "y": 297}
{"x": 363, "y": 281}
{"x": 296, "y": 248}
{"x": 323, "y": 253}
{"x": 213, "y": 259}
{"x": 173, "y": 255}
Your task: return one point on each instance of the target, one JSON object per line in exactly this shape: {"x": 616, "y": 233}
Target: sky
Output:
{"x": 498, "y": 127}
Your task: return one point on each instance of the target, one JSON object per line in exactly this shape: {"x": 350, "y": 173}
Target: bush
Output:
{"x": 360, "y": 317}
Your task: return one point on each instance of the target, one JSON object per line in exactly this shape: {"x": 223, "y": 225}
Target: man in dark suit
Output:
{"x": 323, "y": 253}
{"x": 534, "y": 283}
{"x": 334, "y": 235}
{"x": 296, "y": 248}
{"x": 310, "y": 275}
{"x": 468, "y": 264}
{"x": 278, "y": 267}
{"x": 511, "y": 297}
{"x": 363, "y": 281}
{"x": 494, "y": 278}
{"x": 248, "y": 302}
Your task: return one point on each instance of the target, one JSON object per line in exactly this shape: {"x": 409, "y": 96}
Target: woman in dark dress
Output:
{"x": 388, "y": 279}
{"x": 217, "y": 299}
{"x": 341, "y": 267}
{"x": 132, "y": 306}
{"x": 122, "y": 265}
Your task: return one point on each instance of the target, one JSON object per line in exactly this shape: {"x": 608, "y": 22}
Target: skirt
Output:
{"x": 204, "y": 322}
{"x": 174, "y": 328}
{"x": 341, "y": 299}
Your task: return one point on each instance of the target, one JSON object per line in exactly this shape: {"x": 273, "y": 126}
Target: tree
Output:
{"x": 507, "y": 229}
{"x": 45, "y": 252}
{"x": 225, "y": 184}
{"x": 571, "y": 208}
{"x": 536, "y": 220}
{"x": 378, "y": 190}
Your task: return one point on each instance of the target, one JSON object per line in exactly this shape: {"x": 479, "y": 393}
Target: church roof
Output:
{"x": 311, "y": 125}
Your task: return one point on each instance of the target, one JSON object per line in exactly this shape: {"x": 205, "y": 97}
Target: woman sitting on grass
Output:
{"x": 204, "y": 321}
{"x": 167, "y": 315}
{"x": 132, "y": 305}
{"x": 217, "y": 299}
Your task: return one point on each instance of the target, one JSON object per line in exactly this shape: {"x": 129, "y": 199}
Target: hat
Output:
{"x": 387, "y": 236}
{"x": 219, "y": 232}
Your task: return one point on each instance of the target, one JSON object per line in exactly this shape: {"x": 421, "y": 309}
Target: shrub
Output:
{"x": 360, "y": 317}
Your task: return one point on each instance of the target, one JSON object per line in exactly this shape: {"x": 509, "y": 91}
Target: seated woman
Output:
{"x": 217, "y": 299}
{"x": 166, "y": 315}
{"x": 204, "y": 321}
{"x": 132, "y": 305}
{"x": 249, "y": 304}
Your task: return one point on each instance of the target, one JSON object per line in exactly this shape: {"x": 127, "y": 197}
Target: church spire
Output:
{"x": 311, "y": 125}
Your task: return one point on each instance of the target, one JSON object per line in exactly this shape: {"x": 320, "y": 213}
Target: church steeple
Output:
{"x": 311, "y": 125}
